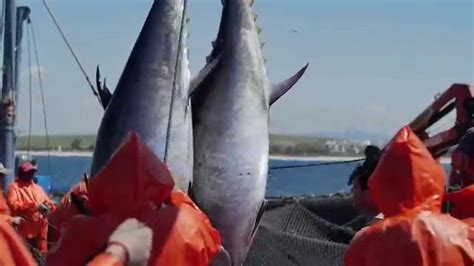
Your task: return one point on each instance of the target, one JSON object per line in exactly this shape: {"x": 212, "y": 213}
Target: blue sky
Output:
{"x": 374, "y": 65}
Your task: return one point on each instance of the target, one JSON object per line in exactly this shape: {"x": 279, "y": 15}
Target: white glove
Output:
{"x": 16, "y": 221}
{"x": 137, "y": 238}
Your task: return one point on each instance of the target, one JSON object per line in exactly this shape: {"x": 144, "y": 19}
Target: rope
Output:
{"x": 94, "y": 91}
{"x": 315, "y": 164}
{"x": 30, "y": 119}
{"x": 170, "y": 117}
{"x": 2, "y": 23}
{"x": 40, "y": 80}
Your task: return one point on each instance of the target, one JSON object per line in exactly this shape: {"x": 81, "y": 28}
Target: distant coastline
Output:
{"x": 302, "y": 148}
{"x": 57, "y": 153}
{"x": 444, "y": 160}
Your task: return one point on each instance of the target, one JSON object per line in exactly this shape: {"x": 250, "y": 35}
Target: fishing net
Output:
{"x": 36, "y": 254}
{"x": 310, "y": 231}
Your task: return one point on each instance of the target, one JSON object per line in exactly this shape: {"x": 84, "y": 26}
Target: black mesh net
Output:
{"x": 36, "y": 254}
{"x": 309, "y": 231}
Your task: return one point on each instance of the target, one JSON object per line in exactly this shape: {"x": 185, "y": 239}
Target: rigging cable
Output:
{"x": 40, "y": 81}
{"x": 30, "y": 85}
{"x": 2, "y": 24}
{"x": 176, "y": 69}
{"x": 316, "y": 164}
{"x": 61, "y": 32}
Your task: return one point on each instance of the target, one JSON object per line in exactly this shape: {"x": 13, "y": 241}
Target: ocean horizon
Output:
{"x": 320, "y": 158}
{"x": 322, "y": 180}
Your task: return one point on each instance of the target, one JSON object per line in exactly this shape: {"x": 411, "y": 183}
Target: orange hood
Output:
{"x": 407, "y": 177}
{"x": 133, "y": 178}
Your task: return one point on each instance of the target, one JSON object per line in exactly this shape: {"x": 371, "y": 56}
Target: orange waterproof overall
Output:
{"x": 23, "y": 199}
{"x": 135, "y": 183}
{"x": 408, "y": 186}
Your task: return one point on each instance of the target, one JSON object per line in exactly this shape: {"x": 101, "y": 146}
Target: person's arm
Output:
{"x": 130, "y": 243}
{"x": 4, "y": 211}
{"x": 113, "y": 256}
{"x": 45, "y": 198}
{"x": 49, "y": 202}
{"x": 12, "y": 249}
{"x": 46, "y": 205}
{"x": 19, "y": 207}
{"x": 7, "y": 218}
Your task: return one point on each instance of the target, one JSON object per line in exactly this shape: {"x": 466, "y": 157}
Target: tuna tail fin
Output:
{"x": 280, "y": 89}
{"x": 104, "y": 92}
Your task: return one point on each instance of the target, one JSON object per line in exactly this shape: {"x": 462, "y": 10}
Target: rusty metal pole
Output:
{"x": 7, "y": 112}
{"x": 22, "y": 15}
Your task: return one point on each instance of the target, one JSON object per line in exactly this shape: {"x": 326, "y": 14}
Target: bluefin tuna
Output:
{"x": 152, "y": 95}
{"x": 231, "y": 103}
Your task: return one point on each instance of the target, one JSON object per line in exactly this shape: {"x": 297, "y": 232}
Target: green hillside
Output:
{"x": 279, "y": 144}
{"x": 295, "y": 145}
{"x": 81, "y": 142}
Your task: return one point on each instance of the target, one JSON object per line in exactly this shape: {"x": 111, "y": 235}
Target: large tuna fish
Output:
{"x": 152, "y": 96}
{"x": 231, "y": 105}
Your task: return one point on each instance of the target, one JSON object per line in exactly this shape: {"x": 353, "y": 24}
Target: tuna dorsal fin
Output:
{"x": 104, "y": 93}
{"x": 203, "y": 74}
{"x": 258, "y": 29}
{"x": 217, "y": 44}
{"x": 260, "y": 213}
{"x": 280, "y": 89}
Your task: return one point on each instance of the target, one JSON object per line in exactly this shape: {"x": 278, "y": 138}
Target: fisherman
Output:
{"x": 12, "y": 249}
{"x": 73, "y": 203}
{"x": 359, "y": 178}
{"x": 462, "y": 179}
{"x": 29, "y": 201}
{"x": 4, "y": 210}
{"x": 461, "y": 204}
{"x": 361, "y": 197}
{"x": 462, "y": 161}
{"x": 129, "y": 244}
{"x": 182, "y": 234}
{"x": 407, "y": 187}
{"x": 372, "y": 156}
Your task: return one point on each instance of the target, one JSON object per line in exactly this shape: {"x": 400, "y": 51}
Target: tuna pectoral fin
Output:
{"x": 203, "y": 74}
{"x": 280, "y": 89}
{"x": 261, "y": 211}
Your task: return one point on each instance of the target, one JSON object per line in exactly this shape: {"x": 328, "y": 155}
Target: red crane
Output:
{"x": 459, "y": 97}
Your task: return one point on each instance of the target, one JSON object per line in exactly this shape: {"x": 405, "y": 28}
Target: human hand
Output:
{"x": 135, "y": 238}
{"x": 43, "y": 209}
{"x": 16, "y": 221}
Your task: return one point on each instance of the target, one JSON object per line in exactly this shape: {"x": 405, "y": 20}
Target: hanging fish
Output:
{"x": 231, "y": 104}
{"x": 152, "y": 95}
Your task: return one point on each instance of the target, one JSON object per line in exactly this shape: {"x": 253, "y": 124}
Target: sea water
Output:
{"x": 318, "y": 180}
